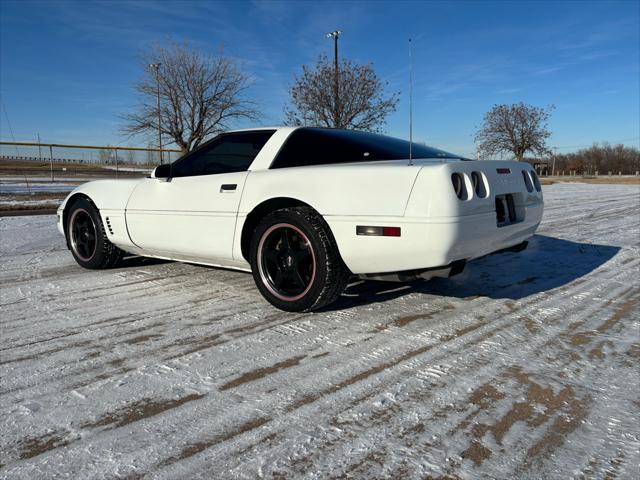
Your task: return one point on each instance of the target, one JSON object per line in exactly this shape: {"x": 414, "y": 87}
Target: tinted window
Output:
{"x": 318, "y": 146}
{"x": 230, "y": 152}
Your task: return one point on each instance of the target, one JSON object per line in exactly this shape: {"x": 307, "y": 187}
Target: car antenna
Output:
{"x": 410, "y": 105}
{"x": 170, "y": 166}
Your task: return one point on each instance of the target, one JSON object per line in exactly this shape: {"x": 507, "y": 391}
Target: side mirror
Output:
{"x": 162, "y": 171}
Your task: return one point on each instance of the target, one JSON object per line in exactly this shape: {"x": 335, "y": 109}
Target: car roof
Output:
{"x": 258, "y": 129}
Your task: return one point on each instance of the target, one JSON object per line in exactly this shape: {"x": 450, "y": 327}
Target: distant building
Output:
{"x": 542, "y": 167}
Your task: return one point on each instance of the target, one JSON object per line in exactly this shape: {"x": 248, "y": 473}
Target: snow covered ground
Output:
{"x": 16, "y": 187}
{"x": 129, "y": 169}
{"x": 8, "y": 202}
{"x": 524, "y": 366}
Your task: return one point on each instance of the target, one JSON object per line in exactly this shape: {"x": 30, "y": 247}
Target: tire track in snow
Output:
{"x": 393, "y": 421}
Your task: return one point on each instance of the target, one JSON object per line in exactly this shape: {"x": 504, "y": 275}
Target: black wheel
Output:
{"x": 87, "y": 238}
{"x": 295, "y": 261}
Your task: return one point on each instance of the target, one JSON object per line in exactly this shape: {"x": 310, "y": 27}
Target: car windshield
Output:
{"x": 320, "y": 146}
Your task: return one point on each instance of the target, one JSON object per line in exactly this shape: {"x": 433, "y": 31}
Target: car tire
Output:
{"x": 87, "y": 238}
{"x": 295, "y": 260}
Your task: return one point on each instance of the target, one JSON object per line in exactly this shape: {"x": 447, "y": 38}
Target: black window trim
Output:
{"x": 208, "y": 143}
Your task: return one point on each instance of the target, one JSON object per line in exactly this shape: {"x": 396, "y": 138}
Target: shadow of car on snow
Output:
{"x": 547, "y": 263}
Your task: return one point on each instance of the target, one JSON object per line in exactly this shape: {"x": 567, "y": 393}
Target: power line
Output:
{"x": 6, "y": 115}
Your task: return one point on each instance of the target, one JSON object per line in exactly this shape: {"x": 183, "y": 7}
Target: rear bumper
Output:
{"x": 445, "y": 271}
{"x": 427, "y": 242}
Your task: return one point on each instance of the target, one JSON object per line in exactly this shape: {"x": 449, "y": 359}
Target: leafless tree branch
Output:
{"x": 602, "y": 158}
{"x": 361, "y": 103}
{"x": 516, "y": 129}
{"x": 200, "y": 96}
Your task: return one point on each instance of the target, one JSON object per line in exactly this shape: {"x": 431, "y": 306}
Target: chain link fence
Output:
{"x": 47, "y": 161}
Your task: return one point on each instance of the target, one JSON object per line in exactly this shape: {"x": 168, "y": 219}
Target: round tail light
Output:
{"x": 478, "y": 184}
{"x": 536, "y": 181}
{"x": 458, "y": 184}
{"x": 527, "y": 181}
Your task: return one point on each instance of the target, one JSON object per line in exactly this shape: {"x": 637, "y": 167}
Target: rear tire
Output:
{"x": 295, "y": 260}
{"x": 87, "y": 238}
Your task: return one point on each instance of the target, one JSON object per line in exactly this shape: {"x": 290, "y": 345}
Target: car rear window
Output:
{"x": 320, "y": 146}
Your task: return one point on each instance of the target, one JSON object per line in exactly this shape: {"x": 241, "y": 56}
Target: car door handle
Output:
{"x": 228, "y": 187}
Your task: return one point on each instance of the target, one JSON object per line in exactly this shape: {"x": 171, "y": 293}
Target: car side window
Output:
{"x": 232, "y": 152}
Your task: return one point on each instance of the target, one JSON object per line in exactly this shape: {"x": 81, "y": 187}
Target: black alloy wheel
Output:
{"x": 87, "y": 238}
{"x": 287, "y": 261}
{"x": 83, "y": 234}
{"x": 295, "y": 260}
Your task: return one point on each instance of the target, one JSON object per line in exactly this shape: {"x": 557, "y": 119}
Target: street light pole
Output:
{"x": 156, "y": 67}
{"x": 335, "y": 35}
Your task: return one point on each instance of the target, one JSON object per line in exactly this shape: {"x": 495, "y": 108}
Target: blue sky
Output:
{"x": 67, "y": 68}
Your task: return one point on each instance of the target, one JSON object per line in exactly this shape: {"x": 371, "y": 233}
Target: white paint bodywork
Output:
{"x": 191, "y": 219}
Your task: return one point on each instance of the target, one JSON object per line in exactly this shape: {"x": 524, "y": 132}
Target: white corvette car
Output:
{"x": 305, "y": 209}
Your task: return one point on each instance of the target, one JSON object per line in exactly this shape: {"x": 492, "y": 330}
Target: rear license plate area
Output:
{"x": 505, "y": 210}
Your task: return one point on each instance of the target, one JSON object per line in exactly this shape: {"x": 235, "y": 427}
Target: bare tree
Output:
{"x": 153, "y": 157}
{"x": 130, "y": 157}
{"x": 200, "y": 95}
{"x": 106, "y": 157}
{"x": 360, "y": 103}
{"x": 516, "y": 129}
{"x": 602, "y": 158}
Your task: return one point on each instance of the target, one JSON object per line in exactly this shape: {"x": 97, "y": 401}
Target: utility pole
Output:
{"x": 336, "y": 108}
{"x": 51, "y": 161}
{"x": 553, "y": 166}
{"x": 156, "y": 67}
{"x": 39, "y": 148}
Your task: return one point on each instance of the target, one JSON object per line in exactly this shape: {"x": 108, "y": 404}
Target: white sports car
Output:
{"x": 305, "y": 209}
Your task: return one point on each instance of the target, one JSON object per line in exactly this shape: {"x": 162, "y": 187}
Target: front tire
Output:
{"x": 295, "y": 260}
{"x": 87, "y": 238}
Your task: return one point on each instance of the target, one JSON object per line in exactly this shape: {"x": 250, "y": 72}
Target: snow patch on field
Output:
{"x": 129, "y": 169}
{"x": 54, "y": 202}
{"x": 524, "y": 366}
{"x": 33, "y": 187}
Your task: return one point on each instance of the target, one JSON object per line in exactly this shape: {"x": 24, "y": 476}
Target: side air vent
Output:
{"x": 527, "y": 181}
{"x": 109, "y": 226}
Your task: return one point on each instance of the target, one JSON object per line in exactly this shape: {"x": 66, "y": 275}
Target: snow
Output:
{"x": 524, "y": 366}
{"x": 10, "y": 187}
{"x": 9, "y": 202}
{"x": 129, "y": 169}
